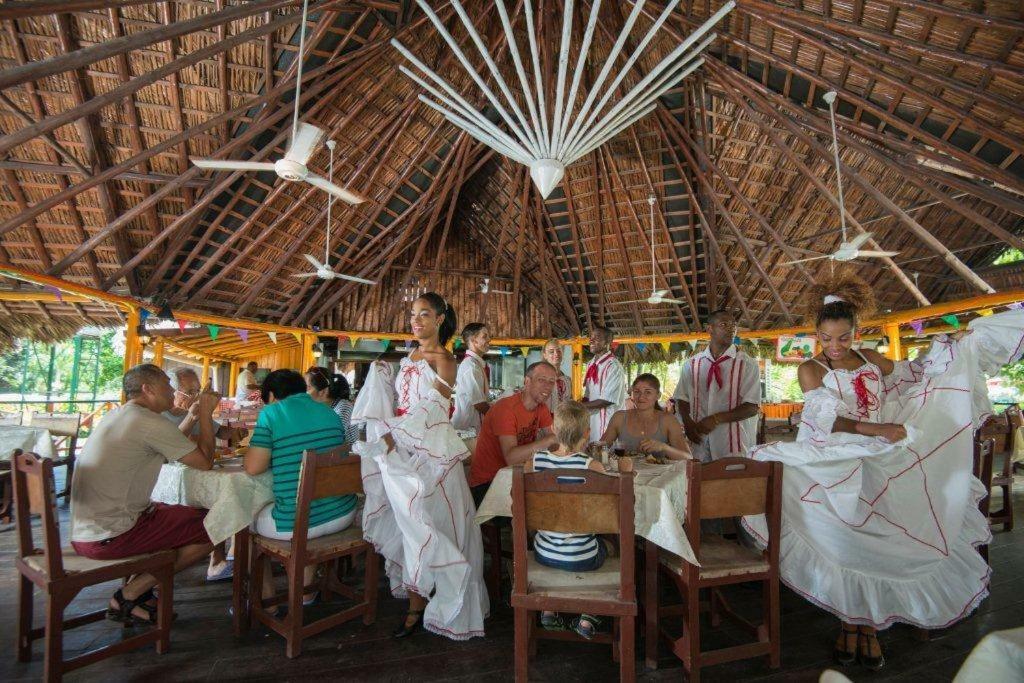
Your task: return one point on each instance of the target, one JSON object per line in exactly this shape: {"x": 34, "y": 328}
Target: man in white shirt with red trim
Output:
{"x": 604, "y": 383}
{"x": 719, "y": 394}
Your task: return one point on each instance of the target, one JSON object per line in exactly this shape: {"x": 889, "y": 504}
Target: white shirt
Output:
{"x": 740, "y": 384}
{"x": 471, "y": 388}
{"x": 609, "y": 385}
{"x": 245, "y": 378}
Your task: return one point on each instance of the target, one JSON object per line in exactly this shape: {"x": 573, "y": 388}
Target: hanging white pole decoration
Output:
{"x": 549, "y": 136}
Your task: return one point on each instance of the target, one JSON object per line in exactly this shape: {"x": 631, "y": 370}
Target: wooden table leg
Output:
{"x": 650, "y": 604}
{"x": 240, "y": 583}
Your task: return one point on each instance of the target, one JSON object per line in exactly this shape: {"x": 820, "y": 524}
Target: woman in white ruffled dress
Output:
{"x": 418, "y": 511}
{"x": 880, "y": 514}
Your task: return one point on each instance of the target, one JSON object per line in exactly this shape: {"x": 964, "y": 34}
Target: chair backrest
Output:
{"x": 998, "y": 427}
{"x": 573, "y": 501}
{"x": 10, "y": 419}
{"x": 734, "y": 487}
{"x": 1014, "y": 417}
{"x": 34, "y": 494}
{"x": 59, "y": 424}
{"x": 333, "y": 472}
{"x": 984, "y": 449}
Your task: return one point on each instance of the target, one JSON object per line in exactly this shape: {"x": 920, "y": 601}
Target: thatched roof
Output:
{"x": 103, "y": 103}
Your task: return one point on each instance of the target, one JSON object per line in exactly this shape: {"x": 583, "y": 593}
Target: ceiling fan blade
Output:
{"x": 229, "y": 165}
{"x": 307, "y": 139}
{"x": 672, "y": 301}
{"x": 500, "y": 291}
{"x": 805, "y": 260}
{"x": 312, "y": 260}
{"x": 659, "y": 292}
{"x": 860, "y": 239}
{"x": 353, "y": 278}
{"x": 304, "y": 275}
{"x": 877, "y": 253}
{"x": 339, "y": 192}
{"x": 636, "y": 301}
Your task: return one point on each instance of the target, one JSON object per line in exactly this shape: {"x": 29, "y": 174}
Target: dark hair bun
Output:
{"x": 856, "y": 300}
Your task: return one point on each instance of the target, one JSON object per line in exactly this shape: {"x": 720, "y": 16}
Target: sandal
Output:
{"x": 586, "y": 625}
{"x": 847, "y": 654}
{"x": 124, "y": 613}
{"x": 864, "y": 639}
{"x": 552, "y": 621}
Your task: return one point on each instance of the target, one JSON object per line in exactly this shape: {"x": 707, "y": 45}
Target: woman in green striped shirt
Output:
{"x": 293, "y": 422}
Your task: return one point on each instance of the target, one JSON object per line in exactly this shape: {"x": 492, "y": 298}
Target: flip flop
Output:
{"x": 586, "y": 631}
{"x": 552, "y": 622}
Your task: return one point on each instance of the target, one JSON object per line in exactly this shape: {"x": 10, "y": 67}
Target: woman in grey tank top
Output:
{"x": 647, "y": 428}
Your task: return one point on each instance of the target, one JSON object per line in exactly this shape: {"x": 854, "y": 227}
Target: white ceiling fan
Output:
{"x": 657, "y": 295}
{"x": 305, "y": 139}
{"x": 485, "y": 288}
{"x": 849, "y": 249}
{"x": 323, "y": 270}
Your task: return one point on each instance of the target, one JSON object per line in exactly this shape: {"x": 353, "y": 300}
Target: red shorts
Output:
{"x": 161, "y": 527}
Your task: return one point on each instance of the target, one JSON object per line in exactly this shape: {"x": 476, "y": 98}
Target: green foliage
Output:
{"x": 782, "y": 383}
{"x": 25, "y": 368}
{"x": 1010, "y": 255}
{"x": 1013, "y": 376}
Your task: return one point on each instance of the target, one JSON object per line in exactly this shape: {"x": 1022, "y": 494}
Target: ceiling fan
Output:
{"x": 305, "y": 139}
{"x": 323, "y": 270}
{"x": 485, "y": 288}
{"x": 848, "y": 249}
{"x": 657, "y": 295}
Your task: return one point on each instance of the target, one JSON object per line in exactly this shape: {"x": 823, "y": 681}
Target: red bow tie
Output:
{"x": 715, "y": 371}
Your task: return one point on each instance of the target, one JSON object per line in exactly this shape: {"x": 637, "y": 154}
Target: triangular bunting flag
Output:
{"x": 244, "y": 334}
{"x": 408, "y": 343}
{"x": 666, "y": 346}
{"x": 641, "y": 346}
{"x": 985, "y": 312}
{"x": 917, "y": 326}
{"x": 1015, "y": 306}
{"x": 273, "y": 336}
{"x": 342, "y": 338}
{"x": 615, "y": 345}
{"x": 737, "y": 341}
{"x": 143, "y": 314}
{"x": 952, "y": 320}
{"x": 298, "y": 337}
{"x": 55, "y": 291}
{"x": 181, "y": 324}
{"x": 352, "y": 341}
{"x": 214, "y": 331}
{"x": 165, "y": 312}
{"x": 384, "y": 344}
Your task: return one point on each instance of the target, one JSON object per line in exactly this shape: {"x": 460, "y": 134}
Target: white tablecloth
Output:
{"x": 659, "y": 504}
{"x": 232, "y": 497}
{"x": 29, "y": 439}
{"x": 998, "y": 658}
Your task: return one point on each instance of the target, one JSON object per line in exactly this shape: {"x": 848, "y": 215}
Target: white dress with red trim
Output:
{"x": 878, "y": 532}
{"x": 418, "y": 511}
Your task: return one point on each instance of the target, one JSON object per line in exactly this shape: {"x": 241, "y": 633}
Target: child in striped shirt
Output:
{"x": 571, "y": 552}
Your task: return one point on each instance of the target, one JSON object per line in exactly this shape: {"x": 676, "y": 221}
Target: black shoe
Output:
{"x": 866, "y": 660}
{"x": 404, "y": 629}
{"x": 843, "y": 656}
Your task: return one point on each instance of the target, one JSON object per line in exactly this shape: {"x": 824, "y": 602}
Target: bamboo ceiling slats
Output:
{"x": 103, "y": 102}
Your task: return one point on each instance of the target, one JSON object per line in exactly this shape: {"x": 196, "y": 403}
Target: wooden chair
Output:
{"x": 330, "y": 473}
{"x": 61, "y": 575}
{"x": 10, "y": 419}
{"x": 762, "y": 431}
{"x": 999, "y": 428}
{"x": 730, "y": 487}
{"x": 983, "y": 456}
{"x": 574, "y": 501}
{"x": 1003, "y": 477}
{"x": 490, "y": 532}
{"x": 62, "y": 425}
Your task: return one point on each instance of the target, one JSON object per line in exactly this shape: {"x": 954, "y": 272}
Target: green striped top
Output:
{"x": 287, "y": 428}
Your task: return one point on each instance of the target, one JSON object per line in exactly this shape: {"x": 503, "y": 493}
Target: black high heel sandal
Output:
{"x": 843, "y": 656}
{"x": 124, "y": 612}
{"x": 405, "y": 629}
{"x": 863, "y": 648}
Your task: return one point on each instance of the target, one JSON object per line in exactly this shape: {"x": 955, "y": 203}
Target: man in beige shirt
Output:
{"x": 112, "y": 516}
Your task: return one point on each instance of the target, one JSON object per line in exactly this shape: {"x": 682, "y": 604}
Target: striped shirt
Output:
{"x": 287, "y": 428}
{"x": 553, "y": 545}
{"x": 343, "y": 409}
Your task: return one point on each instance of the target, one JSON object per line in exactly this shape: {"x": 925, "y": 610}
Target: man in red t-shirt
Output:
{"x": 514, "y": 428}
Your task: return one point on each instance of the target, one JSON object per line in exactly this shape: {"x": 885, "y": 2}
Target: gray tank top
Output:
{"x": 631, "y": 442}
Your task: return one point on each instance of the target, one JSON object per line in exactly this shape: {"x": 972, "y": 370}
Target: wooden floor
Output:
{"x": 204, "y": 649}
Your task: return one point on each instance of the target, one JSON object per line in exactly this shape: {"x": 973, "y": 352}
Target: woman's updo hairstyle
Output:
{"x": 336, "y": 385}
{"x": 842, "y": 296}
{"x": 442, "y": 307}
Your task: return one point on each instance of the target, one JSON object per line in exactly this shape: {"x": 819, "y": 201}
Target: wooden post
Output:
{"x": 308, "y": 341}
{"x": 132, "y": 346}
{"x": 158, "y": 353}
{"x": 233, "y": 379}
{"x": 577, "y": 368}
{"x": 892, "y": 331}
{"x": 205, "y": 377}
